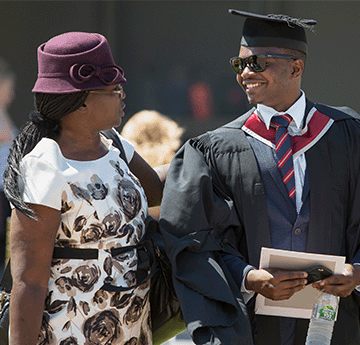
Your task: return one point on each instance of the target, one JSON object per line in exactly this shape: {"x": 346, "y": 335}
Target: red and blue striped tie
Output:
{"x": 284, "y": 155}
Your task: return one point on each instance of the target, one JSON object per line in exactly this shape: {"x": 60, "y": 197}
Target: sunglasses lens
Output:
{"x": 257, "y": 63}
{"x": 235, "y": 64}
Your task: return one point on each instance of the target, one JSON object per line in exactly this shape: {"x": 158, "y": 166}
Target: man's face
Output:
{"x": 275, "y": 87}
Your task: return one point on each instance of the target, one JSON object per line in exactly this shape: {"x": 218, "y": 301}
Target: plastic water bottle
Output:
{"x": 323, "y": 319}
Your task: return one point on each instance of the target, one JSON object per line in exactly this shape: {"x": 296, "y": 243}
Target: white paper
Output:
{"x": 300, "y": 305}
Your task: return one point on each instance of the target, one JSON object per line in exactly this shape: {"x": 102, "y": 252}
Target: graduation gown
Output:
{"x": 214, "y": 202}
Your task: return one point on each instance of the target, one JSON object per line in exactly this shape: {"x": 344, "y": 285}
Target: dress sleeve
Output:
{"x": 41, "y": 184}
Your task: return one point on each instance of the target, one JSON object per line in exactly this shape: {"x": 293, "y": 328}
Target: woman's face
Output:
{"x": 106, "y": 106}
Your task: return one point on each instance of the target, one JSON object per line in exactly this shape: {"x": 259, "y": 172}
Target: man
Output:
{"x": 284, "y": 175}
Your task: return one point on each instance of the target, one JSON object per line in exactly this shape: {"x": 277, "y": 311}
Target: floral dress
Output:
{"x": 102, "y": 207}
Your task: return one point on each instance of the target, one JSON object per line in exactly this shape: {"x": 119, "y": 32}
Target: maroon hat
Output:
{"x": 76, "y": 61}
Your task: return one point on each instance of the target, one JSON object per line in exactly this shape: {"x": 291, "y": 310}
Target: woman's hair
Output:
{"x": 155, "y": 136}
{"x": 44, "y": 122}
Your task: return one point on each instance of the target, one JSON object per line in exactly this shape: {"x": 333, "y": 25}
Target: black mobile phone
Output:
{"x": 317, "y": 273}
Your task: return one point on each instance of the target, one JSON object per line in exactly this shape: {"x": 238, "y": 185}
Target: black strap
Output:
{"x": 59, "y": 253}
{"x": 75, "y": 253}
{"x": 112, "y": 134}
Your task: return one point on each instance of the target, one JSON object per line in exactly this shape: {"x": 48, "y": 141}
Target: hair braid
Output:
{"x": 50, "y": 109}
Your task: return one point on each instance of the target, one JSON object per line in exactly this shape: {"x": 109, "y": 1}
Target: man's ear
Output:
{"x": 297, "y": 68}
{"x": 83, "y": 108}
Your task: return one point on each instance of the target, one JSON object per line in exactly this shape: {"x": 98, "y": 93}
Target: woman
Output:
{"x": 70, "y": 189}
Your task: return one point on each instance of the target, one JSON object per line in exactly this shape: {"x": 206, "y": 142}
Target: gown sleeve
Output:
{"x": 198, "y": 222}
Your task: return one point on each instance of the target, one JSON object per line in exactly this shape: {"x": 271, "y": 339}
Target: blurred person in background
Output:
{"x": 156, "y": 138}
{"x": 74, "y": 196}
{"x": 8, "y": 132}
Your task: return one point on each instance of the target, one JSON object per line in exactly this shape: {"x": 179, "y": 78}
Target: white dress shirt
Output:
{"x": 297, "y": 112}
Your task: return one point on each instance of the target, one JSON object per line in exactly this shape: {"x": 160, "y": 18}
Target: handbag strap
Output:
{"x": 112, "y": 134}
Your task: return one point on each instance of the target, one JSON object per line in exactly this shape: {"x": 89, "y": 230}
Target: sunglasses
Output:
{"x": 257, "y": 63}
{"x": 119, "y": 92}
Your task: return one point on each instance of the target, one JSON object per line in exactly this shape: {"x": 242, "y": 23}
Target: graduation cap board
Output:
{"x": 274, "y": 30}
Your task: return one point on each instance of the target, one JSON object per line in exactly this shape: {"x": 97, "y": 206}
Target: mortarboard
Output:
{"x": 274, "y": 30}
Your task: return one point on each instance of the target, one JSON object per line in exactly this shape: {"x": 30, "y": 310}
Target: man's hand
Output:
{"x": 341, "y": 285}
{"x": 275, "y": 284}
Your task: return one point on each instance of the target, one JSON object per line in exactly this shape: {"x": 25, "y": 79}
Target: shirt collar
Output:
{"x": 296, "y": 111}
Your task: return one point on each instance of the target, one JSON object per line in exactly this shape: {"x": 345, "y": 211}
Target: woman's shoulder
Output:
{"x": 46, "y": 150}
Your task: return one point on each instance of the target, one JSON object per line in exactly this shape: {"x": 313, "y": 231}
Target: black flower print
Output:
{"x": 112, "y": 224}
{"x": 130, "y": 277}
{"x": 119, "y": 267}
{"x": 128, "y": 198}
{"x": 46, "y": 335}
{"x": 85, "y": 277}
{"x": 64, "y": 285}
{"x": 116, "y": 165}
{"x": 103, "y": 328}
{"x": 71, "y": 308}
{"x": 145, "y": 285}
{"x": 80, "y": 193}
{"x": 66, "y": 326}
{"x": 56, "y": 265}
{"x": 65, "y": 230}
{"x": 100, "y": 299}
{"x": 108, "y": 265}
{"x": 132, "y": 341}
{"x": 139, "y": 230}
{"x": 65, "y": 205}
{"x": 58, "y": 262}
{"x": 134, "y": 312}
{"x": 85, "y": 307}
{"x": 135, "y": 180}
{"x": 55, "y": 306}
{"x": 79, "y": 223}
{"x": 143, "y": 339}
{"x": 93, "y": 233}
{"x": 97, "y": 188}
{"x": 120, "y": 300}
{"x": 65, "y": 270}
{"x": 135, "y": 236}
{"x": 125, "y": 256}
{"x": 69, "y": 341}
{"x": 133, "y": 263}
{"x": 126, "y": 229}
